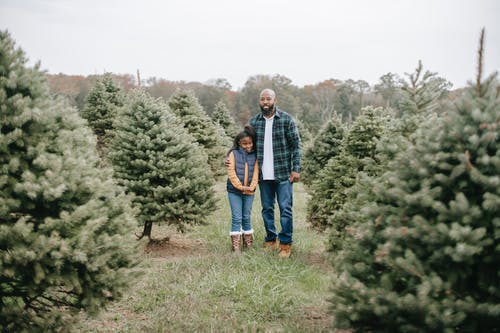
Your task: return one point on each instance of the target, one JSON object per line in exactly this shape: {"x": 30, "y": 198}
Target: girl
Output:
{"x": 243, "y": 175}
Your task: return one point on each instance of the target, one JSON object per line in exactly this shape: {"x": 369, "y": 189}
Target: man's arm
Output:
{"x": 294, "y": 145}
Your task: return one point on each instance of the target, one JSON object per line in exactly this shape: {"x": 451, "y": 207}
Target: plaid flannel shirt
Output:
{"x": 286, "y": 143}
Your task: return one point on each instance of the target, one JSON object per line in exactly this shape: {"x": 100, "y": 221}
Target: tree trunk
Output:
{"x": 148, "y": 226}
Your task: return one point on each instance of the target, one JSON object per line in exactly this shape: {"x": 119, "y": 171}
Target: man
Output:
{"x": 278, "y": 152}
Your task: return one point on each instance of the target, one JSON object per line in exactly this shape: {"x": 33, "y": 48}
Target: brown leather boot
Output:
{"x": 272, "y": 245}
{"x": 285, "y": 250}
{"x": 247, "y": 238}
{"x": 236, "y": 242}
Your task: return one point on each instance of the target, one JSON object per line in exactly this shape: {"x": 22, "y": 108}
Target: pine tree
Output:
{"x": 361, "y": 141}
{"x": 158, "y": 161}
{"x": 65, "y": 226}
{"x": 420, "y": 96}
{"x": 187, "y": 108}
{"x": 424, "y": 254}
{"x": 223, "y": 118}
{"x": 325, "y": 146}
{"x": 328, "y": 192}
{"x": 304, "y": 133}
{"x": 103, "y": 101}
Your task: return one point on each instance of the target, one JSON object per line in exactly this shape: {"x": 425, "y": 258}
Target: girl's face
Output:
{"x": 246, "y": 144}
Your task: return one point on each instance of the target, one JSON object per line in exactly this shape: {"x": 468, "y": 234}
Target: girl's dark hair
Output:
{"x": 248, "y": 132}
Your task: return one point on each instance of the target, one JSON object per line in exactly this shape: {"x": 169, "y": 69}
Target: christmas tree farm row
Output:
{"x": 411, "y": 199}
{"x": 76, "y": 185}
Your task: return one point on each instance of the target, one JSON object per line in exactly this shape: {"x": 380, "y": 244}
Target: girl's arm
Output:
{"x": 231, "y": 173}
{"x": 255, "y": 177}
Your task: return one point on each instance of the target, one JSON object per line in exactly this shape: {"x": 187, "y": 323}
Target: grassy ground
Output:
{"x": 193, "y": 283}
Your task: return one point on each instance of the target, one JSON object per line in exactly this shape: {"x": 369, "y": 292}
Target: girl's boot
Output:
{"x": 248, "y": 238}
{"x": 236, "y": 241}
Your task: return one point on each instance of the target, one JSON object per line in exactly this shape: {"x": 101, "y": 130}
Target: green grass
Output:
{"x": 210, "y": 289}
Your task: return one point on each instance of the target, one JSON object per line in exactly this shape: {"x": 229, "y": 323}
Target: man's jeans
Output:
{"x": 269, "y": 191}
{"x": 241, "y": 207}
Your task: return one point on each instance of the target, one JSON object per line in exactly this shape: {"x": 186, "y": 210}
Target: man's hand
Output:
{"x": 294, "y": 177}
{"x": 246, "y": 189}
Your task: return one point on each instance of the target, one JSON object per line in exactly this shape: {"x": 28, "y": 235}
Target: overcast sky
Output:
{"x": 308, "y": 41}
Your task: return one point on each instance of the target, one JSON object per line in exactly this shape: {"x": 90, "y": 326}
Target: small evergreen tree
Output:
{"x": 358, "y": 149}
{"x": 419, "y": 98}
{"x": 65, "y": 226}
{"x": 158, "y": 161}
{"x": 325, "y": 146}
{"x": 304, "y": 133}
{"x": 361, "y": 141}
{"x": 186, "y": 107}
{"x": 328, "y": 192}
{"x": 223, "y": 118}
{"x": 423, "y": 256}
{"x": 100, "y": 109}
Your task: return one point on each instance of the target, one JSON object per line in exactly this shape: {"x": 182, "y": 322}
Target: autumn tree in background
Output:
{"x": 324, "y": 95}
{"x": 389, "y": 86}
{"x": 186, "y": 107}
{"x": 65, "y": 226}
{"x": 423, "y": 254}
{"x": 287, "y": 96}
{"x": 158, "y": 162}
{"x": 208, "y": 93}
{"x": 347, "y": 107}
{"x": 100, "y": 109}
{"x": 312, "y": 104}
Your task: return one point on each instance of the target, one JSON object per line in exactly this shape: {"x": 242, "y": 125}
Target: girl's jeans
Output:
{"x": 241, "y": 207}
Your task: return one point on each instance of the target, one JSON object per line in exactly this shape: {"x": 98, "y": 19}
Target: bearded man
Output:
{"x": 278, "y": 151}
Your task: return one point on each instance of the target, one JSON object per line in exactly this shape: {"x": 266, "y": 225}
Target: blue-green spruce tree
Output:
{"x": 323, "y": 147}
{"x": 187, "y": 108}
{"x": 66, "y": 228}
{"x": 424, "y": 255}
{"x": 357, "y": 150}
{"x": 102, "y": 103}
{"x": 159, "y": 162}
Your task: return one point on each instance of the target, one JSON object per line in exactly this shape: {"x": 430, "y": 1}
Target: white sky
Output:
{"x": 308, "y": 41}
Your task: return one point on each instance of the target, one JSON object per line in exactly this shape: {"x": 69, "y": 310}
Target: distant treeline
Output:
{"x": 312, "y": 105}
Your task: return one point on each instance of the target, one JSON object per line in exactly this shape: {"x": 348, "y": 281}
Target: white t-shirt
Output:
{"x": 268, "y": 160}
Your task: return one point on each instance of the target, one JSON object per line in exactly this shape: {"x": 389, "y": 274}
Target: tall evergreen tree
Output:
{"x": 324, "y": 146}
{"x": 158, "y": 161}
{"x": 304, "y": 133}
{"x": 186, "y": 107}
{"x": 65, "y": 226}
{"x": 420, "y": 96}
{"x": 328, "y": 192}
{"x": 424, "y": 255}
{"x": 100, "y": 109}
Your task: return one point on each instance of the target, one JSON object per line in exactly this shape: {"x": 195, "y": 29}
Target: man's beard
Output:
{"x": 268, "y": 112}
